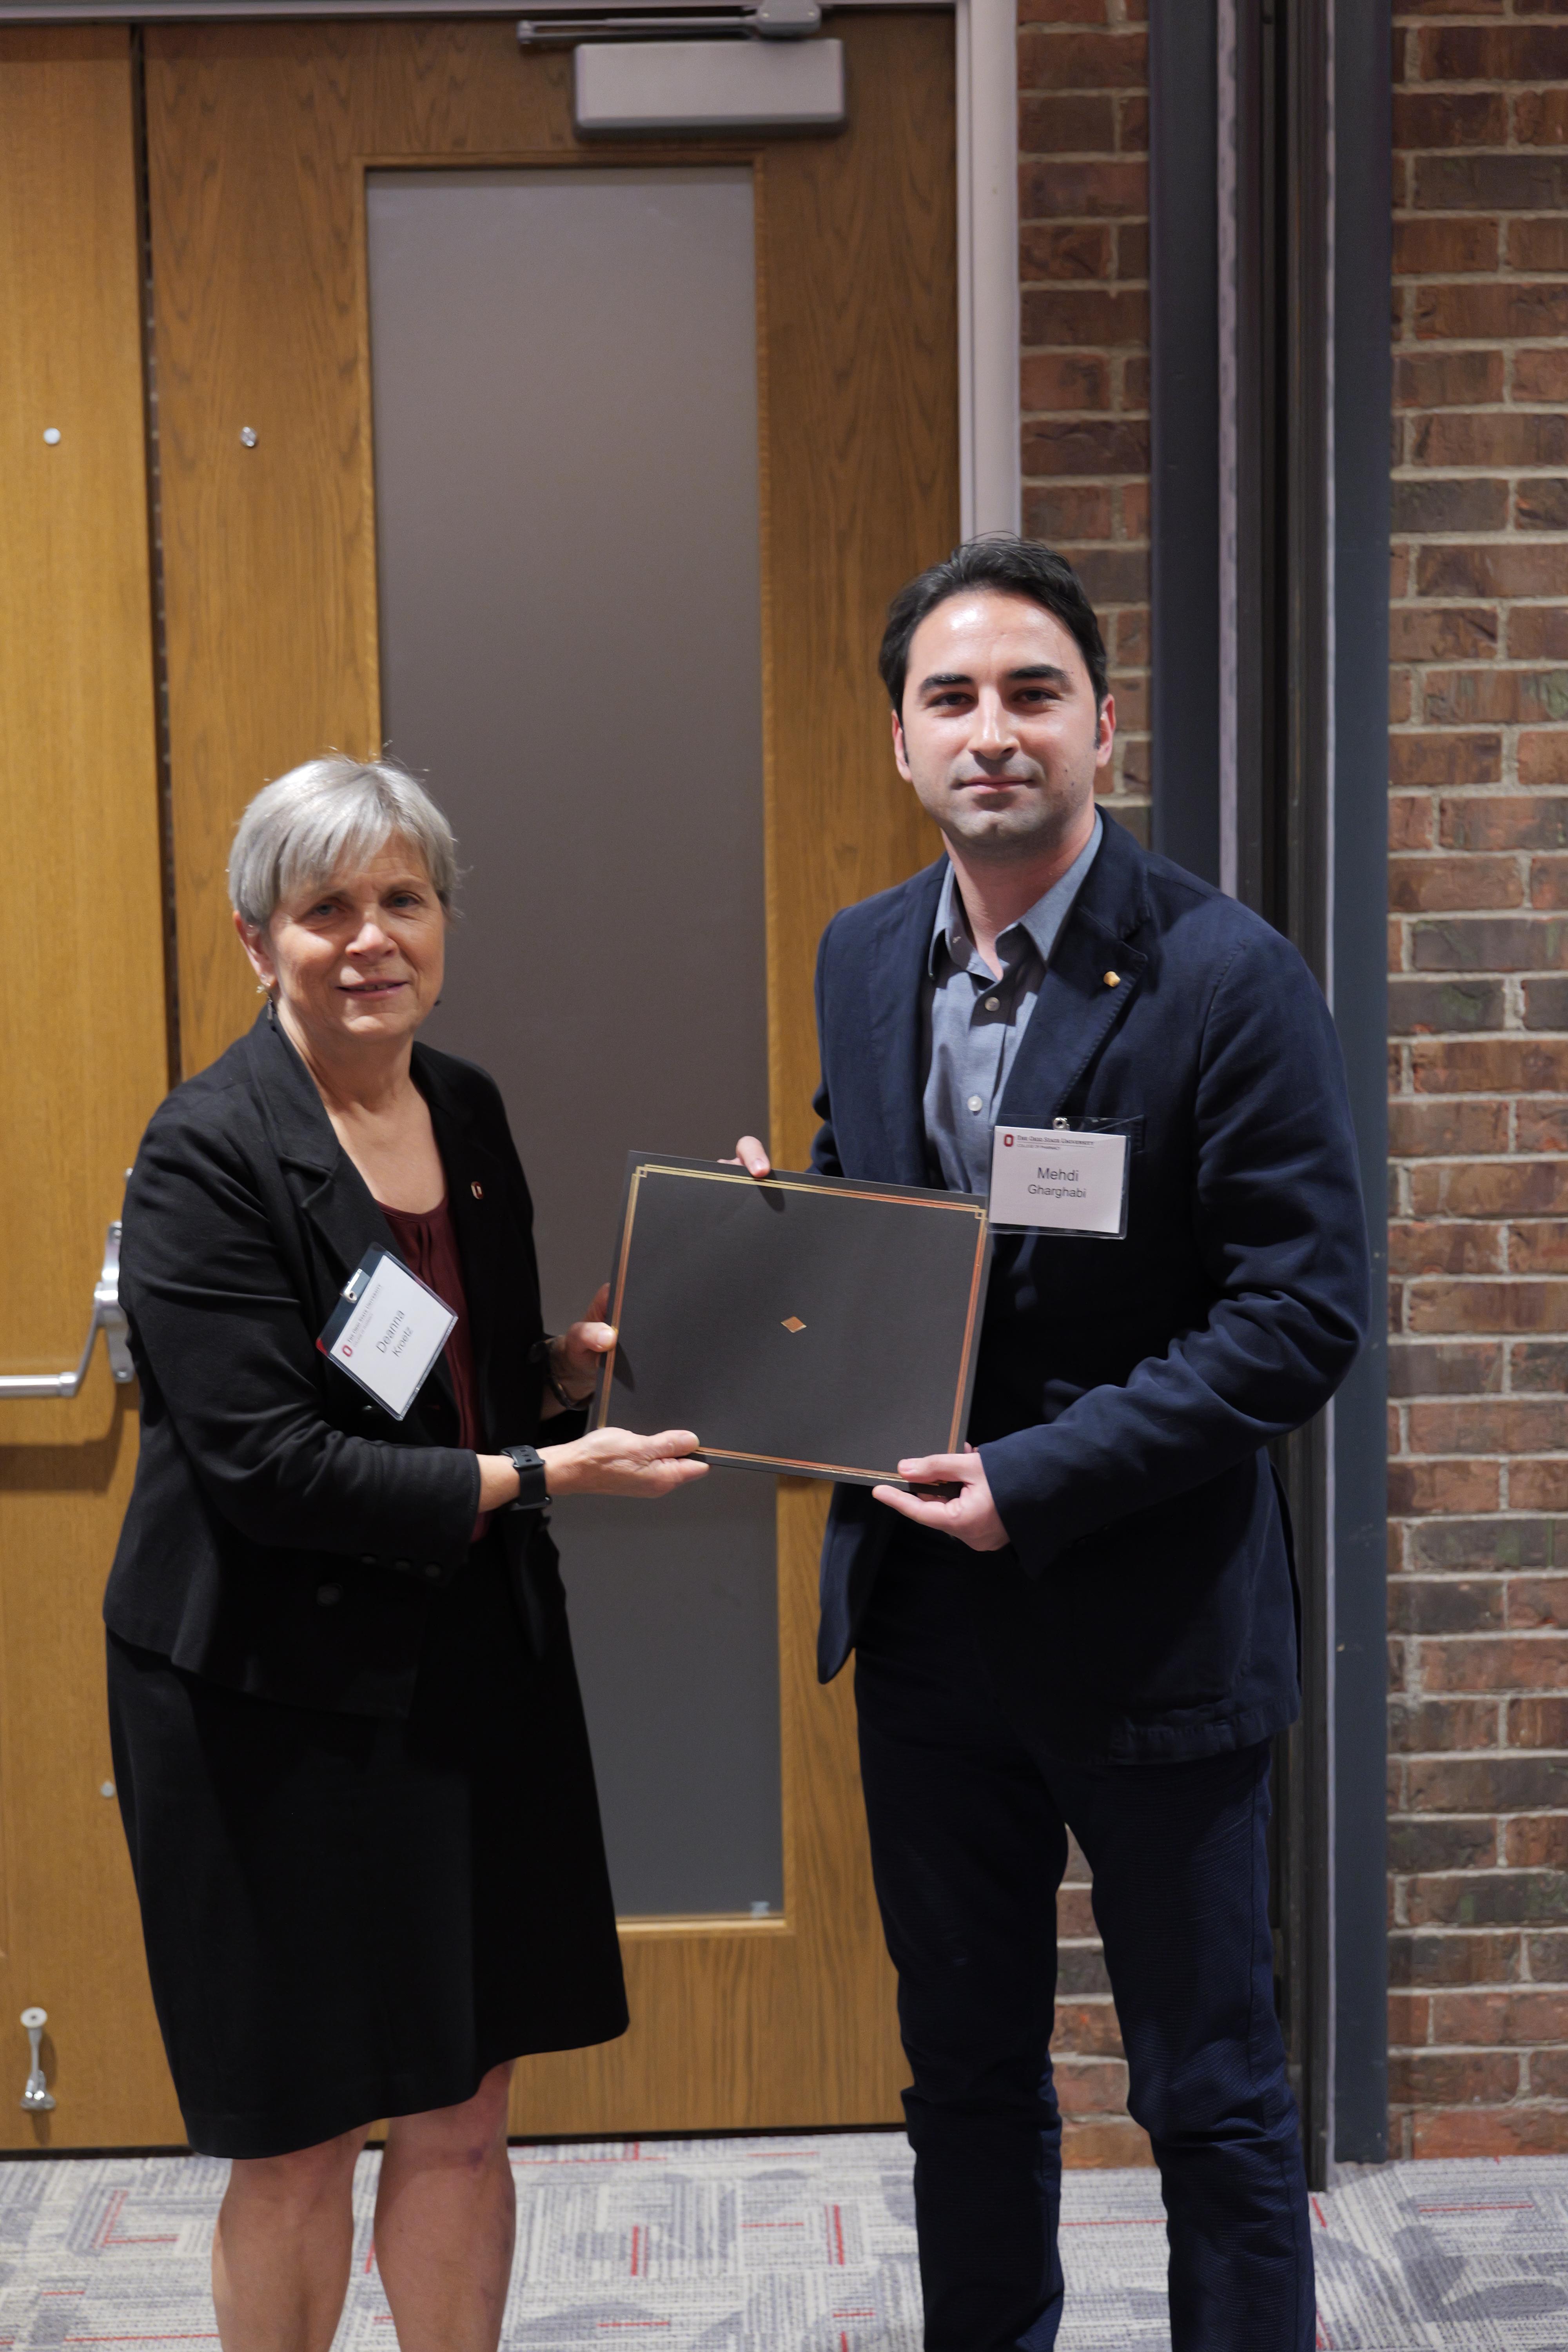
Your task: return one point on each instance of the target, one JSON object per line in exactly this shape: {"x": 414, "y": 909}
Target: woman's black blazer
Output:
{"x": 286, "y": 1535}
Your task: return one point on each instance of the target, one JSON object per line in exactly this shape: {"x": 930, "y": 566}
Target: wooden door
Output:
{"x": 258, "y": 140}
{"x": 84, "y": 1056}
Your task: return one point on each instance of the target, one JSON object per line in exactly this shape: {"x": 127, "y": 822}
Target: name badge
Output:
{"x": 386, "y": 1330}
{"x": 1059, "y": 1180}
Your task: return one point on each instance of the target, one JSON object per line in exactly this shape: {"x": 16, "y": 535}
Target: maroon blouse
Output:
{"x": 428, "y": 1247}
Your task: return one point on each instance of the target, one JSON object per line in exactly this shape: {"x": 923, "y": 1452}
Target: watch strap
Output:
{"x": 533, "y": 1488}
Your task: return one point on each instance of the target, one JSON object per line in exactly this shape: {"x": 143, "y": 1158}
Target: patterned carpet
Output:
{"x": 805, "y": 2245}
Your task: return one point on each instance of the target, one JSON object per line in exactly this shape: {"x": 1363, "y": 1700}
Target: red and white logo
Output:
{"x": 345, "y": 1349}
{"x": 1007, "y": 1142}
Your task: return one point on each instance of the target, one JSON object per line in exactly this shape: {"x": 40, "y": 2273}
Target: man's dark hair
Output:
{"x": 1014, "y": 567}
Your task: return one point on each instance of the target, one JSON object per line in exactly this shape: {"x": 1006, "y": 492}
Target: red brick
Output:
{"x": 1484, "y": 183}
{"x": 1518, "y": 2130}
{"x": 1540, "y": 632}
{"x": 1419, "y": 885}
{"x": 1417, "y": 1726}
{"x": 1491, "y": 1899}
{"x": 1438, "y": 1007}
{"x": 1400, "y": 696}
{"x": 1451, "y": 2078}
{"x": 1075, "y": 1918}
{"x": 1459, "y": 438}
{"x": 1540, "y": 118}
{"x": 1076, "y": 125}
{"x": 1511, "y": 1543}
{"x": 1538, "y": 1723}
{"x": 1540, "y": 1366}
{"x": 1418, "y": 1128}
{"x": 1542, "y": 1127}
{"x": 1489, "y": 1425}
{"x": 1538, "y": 244}
{"x": 1422, "y": 248}
{"x": 1506, "y": 944}
{"x": 1539, "y": 1249}
{"x": 1430, "y": 1248}
{"x": 1458, "y": 1306}
{"x": 1541, "y": 375}
{"x": 1479, "y": 1958}
{"x": 1548, "y": 1957}
{"x": 1445, "y": 759}
{"x": 1504, "y": 821}
{"x": 1132, "y": 250}
{"x": 1447, "y": 633}
{"x": 1410, "y": 2019}
{"x": 1538, "y": 1485}
{"x": 1500, "y": 570}
{"x": 1056, "y": 380}
{"x": 1543, "y": 757}
{"x": 1444, "y": 1604}
{"x": 1410, "y": 821}
{"x": 1549, "y": 882}
{"x": 1519, "y": 1188}
{"x": 1088, "y": 2029}
{"x": 1490, "y": 1066}
{"x": 1418, "y": 1486}
{"x": 1057, "y": 510}
{"x": 1534, "y": 1603}
{"x": 1537, "y": 1842}
{"x": 1447, "y": 378}
{"x": 1132, "y": 637}
{"x": 1092, "y": 317}
{"x": 1505, "y": 695}
{"x": 1429, "y": 118}
{"x": 1444, "y": 1368}
{"x": 1088, "y": 447}
{"x": 1112, "y": 576}
{"x": 1496, "y": 1783}
{"x": 1431, "y": 503}
{"x": 1063, "y": 11}
{"x": 1069, "y": 251}
{"x": 1133, "y": 124}
{"x": 1082, "y": 191}
{"x": 1133, "y": 498}
{"x": 1048, "y": 60}
{"x": 1113, "y": 2146}
{"x": 1091, "y": 2086}
{"x": 1520, "y": 2014}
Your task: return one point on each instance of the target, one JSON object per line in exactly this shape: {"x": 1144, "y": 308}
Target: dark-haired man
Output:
{"x": 1086, "y": 1622}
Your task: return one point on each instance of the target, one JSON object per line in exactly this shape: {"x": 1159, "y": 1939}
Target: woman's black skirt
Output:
{"x": 347, "y": 1918}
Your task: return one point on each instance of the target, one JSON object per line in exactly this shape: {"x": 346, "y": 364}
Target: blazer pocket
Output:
{"x": 1132, "y": 1128}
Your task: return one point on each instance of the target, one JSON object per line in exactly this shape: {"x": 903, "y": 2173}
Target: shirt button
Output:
{"x": 977, "y": 1102}
{"x": 993, "y": 1004}
{"x": 327, "y": 1593}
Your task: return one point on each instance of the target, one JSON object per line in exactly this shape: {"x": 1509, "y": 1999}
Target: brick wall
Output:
{"x": 1478, "y": 811}
{"x": 1084, "y": 265}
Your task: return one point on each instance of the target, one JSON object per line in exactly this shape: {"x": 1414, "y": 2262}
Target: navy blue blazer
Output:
{"x": 1126, "y": 1390}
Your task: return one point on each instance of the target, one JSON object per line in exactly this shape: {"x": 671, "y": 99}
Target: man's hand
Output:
{"x": 970, "y": 1515}
{"x": 750, "y": 1156}
{"x": 574, "y": 1356}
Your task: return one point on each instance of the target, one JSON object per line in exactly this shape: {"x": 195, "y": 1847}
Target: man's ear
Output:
{"x": 901, "y": 754}
{"x": 1105, "y": 732}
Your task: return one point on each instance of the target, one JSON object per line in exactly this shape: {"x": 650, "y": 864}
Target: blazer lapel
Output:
{"x": 476, "y": 1195}
{"x": 1092, "y": 977}
{"x": 898, "y": 976}
{"x": 318, "y": 1172}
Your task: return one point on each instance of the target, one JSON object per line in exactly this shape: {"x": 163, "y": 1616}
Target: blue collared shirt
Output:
{"x": 973, "y": 1021}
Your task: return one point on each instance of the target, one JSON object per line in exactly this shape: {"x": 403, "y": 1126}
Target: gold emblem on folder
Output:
{"x": 792, "y": 1323}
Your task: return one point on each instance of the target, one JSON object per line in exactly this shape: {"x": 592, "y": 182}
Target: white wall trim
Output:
{"x": 988, "y": 414}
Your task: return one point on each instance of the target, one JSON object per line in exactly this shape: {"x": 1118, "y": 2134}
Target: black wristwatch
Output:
{"x": 532, "y": 1492}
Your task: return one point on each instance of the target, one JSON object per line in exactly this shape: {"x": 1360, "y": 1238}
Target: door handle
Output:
{"x": 107, "y": 1317}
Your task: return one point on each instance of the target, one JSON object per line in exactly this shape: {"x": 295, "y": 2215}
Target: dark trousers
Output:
{"x": 969, "y": 1817}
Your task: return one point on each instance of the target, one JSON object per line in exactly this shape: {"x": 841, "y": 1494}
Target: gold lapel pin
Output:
{"x": 1113, "y": 980}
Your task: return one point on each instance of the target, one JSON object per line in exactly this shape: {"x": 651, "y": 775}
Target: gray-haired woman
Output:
{"x": 348, "y": 1740}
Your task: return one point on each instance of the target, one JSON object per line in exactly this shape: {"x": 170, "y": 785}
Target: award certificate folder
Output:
{"x": 814, "y": 1325}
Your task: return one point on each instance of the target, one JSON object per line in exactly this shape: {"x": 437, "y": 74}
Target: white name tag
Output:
{"x": 386, "y": 1330}
{"x": 1059, "y": 1180}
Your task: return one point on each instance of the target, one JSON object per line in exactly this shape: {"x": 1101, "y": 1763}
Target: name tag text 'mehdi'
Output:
{"x": 1058, "y": 1181}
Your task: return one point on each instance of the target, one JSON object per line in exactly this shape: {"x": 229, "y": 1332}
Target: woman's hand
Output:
{"x": 615, "y": 1462}
{"x": 574, "y": 1356}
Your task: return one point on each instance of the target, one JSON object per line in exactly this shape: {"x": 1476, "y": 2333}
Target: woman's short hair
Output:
{"x": 1014, "y": 567}
{"x": 326, "y": 815}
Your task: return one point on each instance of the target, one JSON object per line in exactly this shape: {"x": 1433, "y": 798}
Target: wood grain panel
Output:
{"x": 258, "y": 138}
{"x": 83, "y": 1047}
